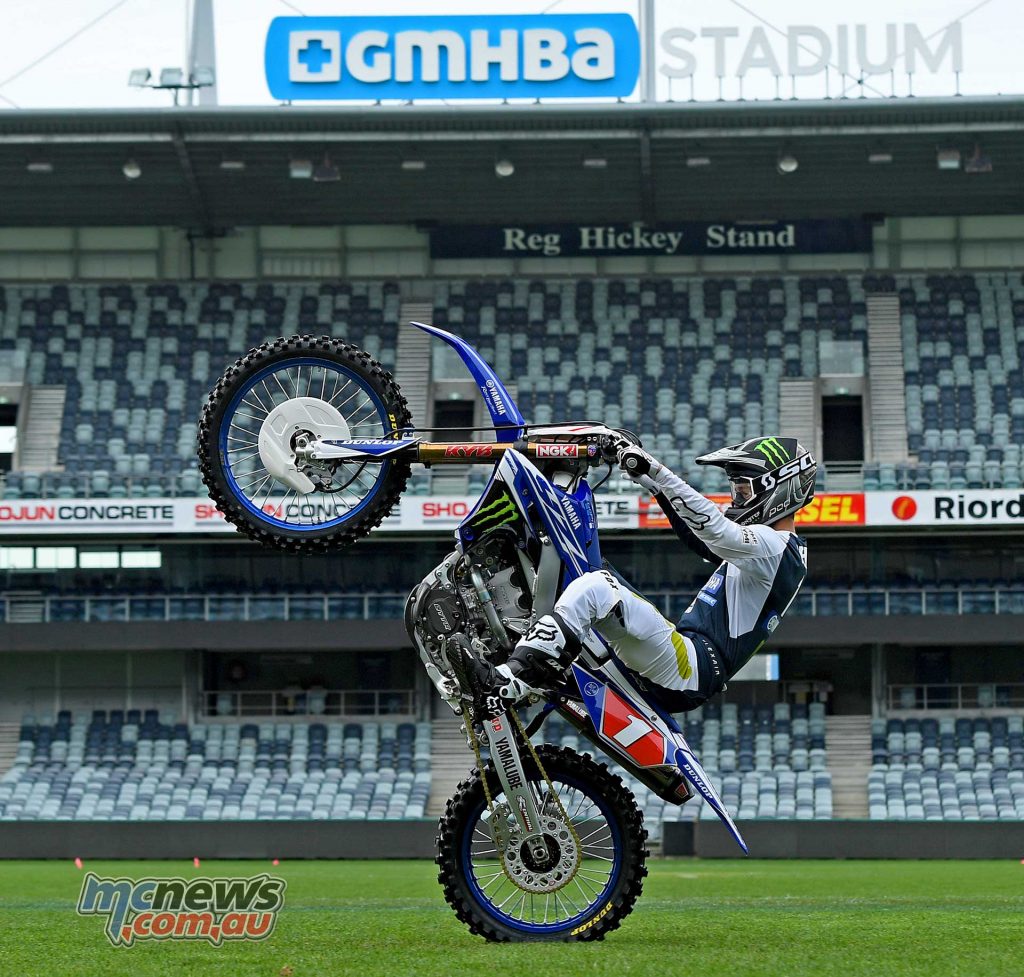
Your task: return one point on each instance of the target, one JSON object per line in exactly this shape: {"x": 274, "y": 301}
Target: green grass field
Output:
{"x": 726, "y": 918}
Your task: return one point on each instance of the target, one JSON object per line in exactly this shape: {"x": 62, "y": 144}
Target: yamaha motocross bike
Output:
{"x": 306, "y": 444}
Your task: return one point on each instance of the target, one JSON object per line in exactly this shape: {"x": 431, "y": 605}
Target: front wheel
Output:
{"x": 507, "y": 897}
{"x": 267, "y": 408}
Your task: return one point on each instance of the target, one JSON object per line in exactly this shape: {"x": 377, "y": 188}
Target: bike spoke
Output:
{"x": 349, "y": 486}
{"x": 589, "y": 884}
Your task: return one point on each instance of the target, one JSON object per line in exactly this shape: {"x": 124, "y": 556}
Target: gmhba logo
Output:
{"x": 500, "y": 56}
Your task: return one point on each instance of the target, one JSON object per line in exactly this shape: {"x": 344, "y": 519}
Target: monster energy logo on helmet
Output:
{"x": 501, "y": 510}
{"x": 773, "y": 451}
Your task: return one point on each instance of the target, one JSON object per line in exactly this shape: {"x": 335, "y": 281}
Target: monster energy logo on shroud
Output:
{"x": 502, "y": 510}
{"x": 773, "y": 451}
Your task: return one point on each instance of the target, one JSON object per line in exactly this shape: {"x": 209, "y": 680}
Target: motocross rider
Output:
{"x": 761, "y": 565}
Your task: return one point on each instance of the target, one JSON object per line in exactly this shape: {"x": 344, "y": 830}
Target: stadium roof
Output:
{"x": 183, "y": 181}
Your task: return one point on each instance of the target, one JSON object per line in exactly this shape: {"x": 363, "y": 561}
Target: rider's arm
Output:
{"x": 683, "y": 530}
{"x": 722, "y": 537}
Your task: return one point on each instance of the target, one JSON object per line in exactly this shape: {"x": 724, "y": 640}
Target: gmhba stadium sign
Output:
{"x": 500, "y": 56}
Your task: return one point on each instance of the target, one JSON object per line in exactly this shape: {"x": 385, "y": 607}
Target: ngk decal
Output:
{"x": 558, "y": 450}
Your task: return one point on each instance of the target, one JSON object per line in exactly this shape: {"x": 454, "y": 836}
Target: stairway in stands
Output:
{"x": 848, "y": 739}
{"x": 39, "y": 429}
{"x": 412, "y": 359}
{"x": 799, "y": 413}
{"x": 450, "y": 761}
{"x": 25, "y": 606}
{"x": 9, "y": 733}
{"x": 886, "y": 379}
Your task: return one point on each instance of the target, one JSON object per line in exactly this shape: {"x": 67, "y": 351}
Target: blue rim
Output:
{"x": 543, "y": 928}
{"x": 243, "y": 500}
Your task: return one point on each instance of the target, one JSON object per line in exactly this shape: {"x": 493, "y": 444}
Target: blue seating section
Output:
{"x": 963, "y": 337}
{"x": 137, "y": 362}
{"x": 141, "y": 766}
{"x": 659, "y": 356}
{"x": 768, "y": 762}
{"x": 963, "y": 769}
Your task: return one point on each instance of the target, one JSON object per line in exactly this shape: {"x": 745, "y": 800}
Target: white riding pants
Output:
{"x": 642, "y": 637}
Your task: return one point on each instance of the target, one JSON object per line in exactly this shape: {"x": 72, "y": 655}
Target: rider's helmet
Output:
{"x": 770, "y": 478}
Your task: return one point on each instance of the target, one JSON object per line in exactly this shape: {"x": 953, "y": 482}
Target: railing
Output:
{"x": 45, "y": 701}
{"x": 312, "y": 702}
{"x": 1000, "y": 695}
{"x": 204, "y": 607}
{"x": 28, "y": 609}
{"x": 927, "y": 600}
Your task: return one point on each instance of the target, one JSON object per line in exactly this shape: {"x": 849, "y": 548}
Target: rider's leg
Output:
{"x": 645, "y": 640}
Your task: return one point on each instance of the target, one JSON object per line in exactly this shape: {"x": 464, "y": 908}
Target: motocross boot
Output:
{"x": 535, "y": 666}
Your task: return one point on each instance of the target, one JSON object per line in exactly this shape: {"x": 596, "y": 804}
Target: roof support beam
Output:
{"x": 192, "y": 183}
{"x": 646, "y": 179}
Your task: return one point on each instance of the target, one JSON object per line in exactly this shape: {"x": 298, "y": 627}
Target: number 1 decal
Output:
{"x": 628, "y": 735}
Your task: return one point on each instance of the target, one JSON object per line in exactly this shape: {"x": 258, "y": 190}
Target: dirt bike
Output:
{"x": 306, "y": 444}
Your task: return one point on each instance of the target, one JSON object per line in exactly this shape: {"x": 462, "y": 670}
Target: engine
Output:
{"x": 484, "y": 593}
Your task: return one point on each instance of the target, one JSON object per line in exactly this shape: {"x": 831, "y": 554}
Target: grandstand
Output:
{"x": 709, "y": 356}
{"x": 286, "y": 689}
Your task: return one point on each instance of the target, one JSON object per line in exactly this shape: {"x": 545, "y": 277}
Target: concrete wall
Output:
{"x": 415, "y": 839}
{"x": 849, "y": 839}
{"x": 218, "y": 839}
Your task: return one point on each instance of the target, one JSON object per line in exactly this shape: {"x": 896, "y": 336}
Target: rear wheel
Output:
{"x": 284, "y": 395}
{"x": 512, "y": 898}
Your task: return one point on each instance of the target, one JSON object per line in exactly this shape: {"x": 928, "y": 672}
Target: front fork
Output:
{"x": 509, "y": 765}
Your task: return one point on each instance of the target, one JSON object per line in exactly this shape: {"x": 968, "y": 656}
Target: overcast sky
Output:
{"x": 92, "y": 69}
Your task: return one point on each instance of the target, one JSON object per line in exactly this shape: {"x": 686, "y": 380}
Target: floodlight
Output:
{"x": 948, "y": 159}
{"x": 787, "y": 163}
{"x": 139, "y": 77}
{"x": 172, "y": 78}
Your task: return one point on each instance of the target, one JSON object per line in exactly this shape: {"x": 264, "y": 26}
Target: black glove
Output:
{"x": 636, "y": 463}
{"x": 612, "y": 446}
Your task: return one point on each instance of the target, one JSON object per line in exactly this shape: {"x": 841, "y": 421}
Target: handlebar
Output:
{"x": 604, "y": 449}
{"x": 488, "y": 452}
